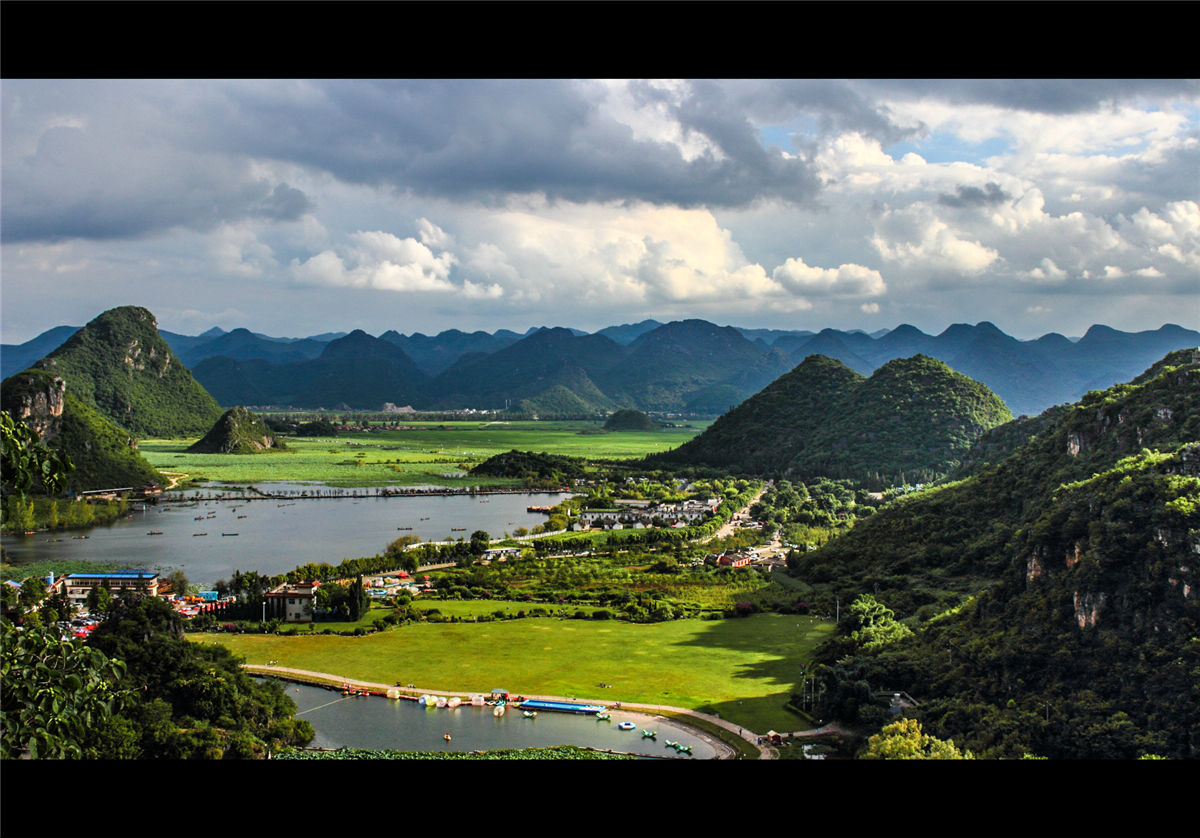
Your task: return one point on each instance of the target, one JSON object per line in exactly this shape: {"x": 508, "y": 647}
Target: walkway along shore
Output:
{"x": 724, "y": 750}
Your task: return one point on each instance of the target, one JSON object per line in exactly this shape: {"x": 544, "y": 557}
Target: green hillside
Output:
{"x": 913, "y": 420}
{"x": 1079, "y": 638}
{"x": 120, "y": 365}
{"x": 104, "y": 455}
{"x": 238, "y": 431}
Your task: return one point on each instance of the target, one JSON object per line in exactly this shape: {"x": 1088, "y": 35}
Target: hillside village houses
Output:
{"x": 641, "y": 513}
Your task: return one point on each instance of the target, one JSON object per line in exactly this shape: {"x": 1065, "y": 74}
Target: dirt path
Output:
{"x": 176, "y": 477}
{"x": 627, "y": 711}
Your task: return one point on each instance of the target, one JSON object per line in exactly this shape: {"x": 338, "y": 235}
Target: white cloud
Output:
{"x": 375, "y": 259}
{"x": 843, "y": 281}
{"x": 917, "y": 239}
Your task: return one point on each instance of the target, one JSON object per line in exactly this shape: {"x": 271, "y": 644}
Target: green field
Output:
{"x": 420, "y": 456}
{"x": 744, "y": 669}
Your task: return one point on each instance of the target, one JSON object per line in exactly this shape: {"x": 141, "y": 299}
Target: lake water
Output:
{"x": 275, "y": 536}
{"x": 375, "y": 722}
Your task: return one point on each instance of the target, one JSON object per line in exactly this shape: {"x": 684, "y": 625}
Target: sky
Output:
{"x": 298, "y": 207}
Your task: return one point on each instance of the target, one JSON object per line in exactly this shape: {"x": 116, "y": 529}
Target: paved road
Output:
{"x": 627, "y": 708}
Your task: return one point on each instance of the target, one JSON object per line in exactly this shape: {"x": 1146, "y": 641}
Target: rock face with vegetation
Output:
{"x": 120, "y": 366}
{"x": 105, "y": 456}
{"x": 237, "y": 432}
{"x": 1054, "y": 594}
{"x": 912, "y": 420}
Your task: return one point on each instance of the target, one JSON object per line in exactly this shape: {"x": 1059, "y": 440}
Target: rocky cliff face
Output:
{"x": 40, "y": 406}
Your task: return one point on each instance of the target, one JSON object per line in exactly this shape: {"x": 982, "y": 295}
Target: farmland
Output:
{"x": 422, "y": 454}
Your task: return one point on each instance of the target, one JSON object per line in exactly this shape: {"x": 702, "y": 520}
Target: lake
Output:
{"x": 275, "y": 536}
{"x": 375, "y": 722}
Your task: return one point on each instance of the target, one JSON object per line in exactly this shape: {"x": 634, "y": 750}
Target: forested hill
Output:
{"x": 104, "y": 455}
{"x": 1081, "y": 639}
{"x": 238, "y": 431}
{"x": 121, "y": 366}
{"x": 912, "y": 420}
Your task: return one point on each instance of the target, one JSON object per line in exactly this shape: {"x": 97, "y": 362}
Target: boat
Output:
{"x": 241, "y": 516}
{"x": 228, "y": 533}
{"x": 649, "y": 734}
{"x": 199, "y": 533}
{"x": 626, "y": 725}
{"x": 446, "y": 736}
{"x": 440, "y": 701}
{"x": 152, "y": 532}
{"x": 529, "y": 714}
{"x": 498, "y": 710}
{"x": 671, "y": 744}
{"x": 453, "y": 702}
{"x": 602, "y": 717}
{"x": 425, "y": 700}
{"x": 683, "y": 749}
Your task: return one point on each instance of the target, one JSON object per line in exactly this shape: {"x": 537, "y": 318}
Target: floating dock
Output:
{"x": 563, "y": 706}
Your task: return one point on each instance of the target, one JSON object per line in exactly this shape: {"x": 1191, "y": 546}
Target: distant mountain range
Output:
{"x": 683, "y": 366}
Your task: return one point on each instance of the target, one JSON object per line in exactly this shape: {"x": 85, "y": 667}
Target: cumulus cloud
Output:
{"x": 843, "y": 281}
{"x": 375, "y": 259}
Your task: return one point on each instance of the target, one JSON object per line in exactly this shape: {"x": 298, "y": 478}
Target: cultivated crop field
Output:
{"x": 744, "y": 669}
{"x": 426, "y": 453}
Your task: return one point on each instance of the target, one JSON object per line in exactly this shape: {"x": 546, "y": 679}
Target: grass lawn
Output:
{"x": 743, "y": 669}
{"x": 410, "y": 457}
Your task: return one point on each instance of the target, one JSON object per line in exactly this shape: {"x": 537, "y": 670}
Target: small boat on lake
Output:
{"x": 228, "y": 533}
{"x": 649, "y": 734}
{"x": 152, "y": 532}
{"x": 529, "y": 714}
{"x": 453, "y": 702}
{"x": 602, "y": 717}
{"x": 198, "y": 533}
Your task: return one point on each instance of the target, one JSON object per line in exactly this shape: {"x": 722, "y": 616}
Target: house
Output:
{"x": 291, "y": 603}
{"x": 77, "y": 586}
{"x": 733, "y": 560}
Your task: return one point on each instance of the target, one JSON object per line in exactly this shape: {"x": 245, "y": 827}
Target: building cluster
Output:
{"x": 643, "y": 513}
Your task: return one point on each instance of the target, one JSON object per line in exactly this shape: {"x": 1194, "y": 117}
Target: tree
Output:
{"x": 27, "y": 462}
{"x": 479, "y": 542}
{"x": 99, "y": 600}
{"x": 55, "y": 694}
{"x": 179, "y": 582}
{"x": 904, "y": 739}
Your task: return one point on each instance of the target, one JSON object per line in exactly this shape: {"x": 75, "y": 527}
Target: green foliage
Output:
{"x": 912, "y": 420}
{"x": 55, "y": 693}
{"x": 194, "y": 700}
{"x": 906, "y": 740}
{"x": 119, "y": 365}
{"x": 104, "y": 456}
{"x": 27, "y": 463}
{"x": 238, "y": 431}
{"x": 629, "y": 420}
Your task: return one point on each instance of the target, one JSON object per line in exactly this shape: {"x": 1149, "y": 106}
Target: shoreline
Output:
{"x": 626, "y": 712}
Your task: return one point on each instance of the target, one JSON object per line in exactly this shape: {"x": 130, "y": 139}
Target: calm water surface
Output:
{"x": 375, "y": 722}
{"x": 275, "y": 536}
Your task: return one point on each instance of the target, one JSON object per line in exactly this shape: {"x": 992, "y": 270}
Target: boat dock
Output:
{"x": 563, "y": 706}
